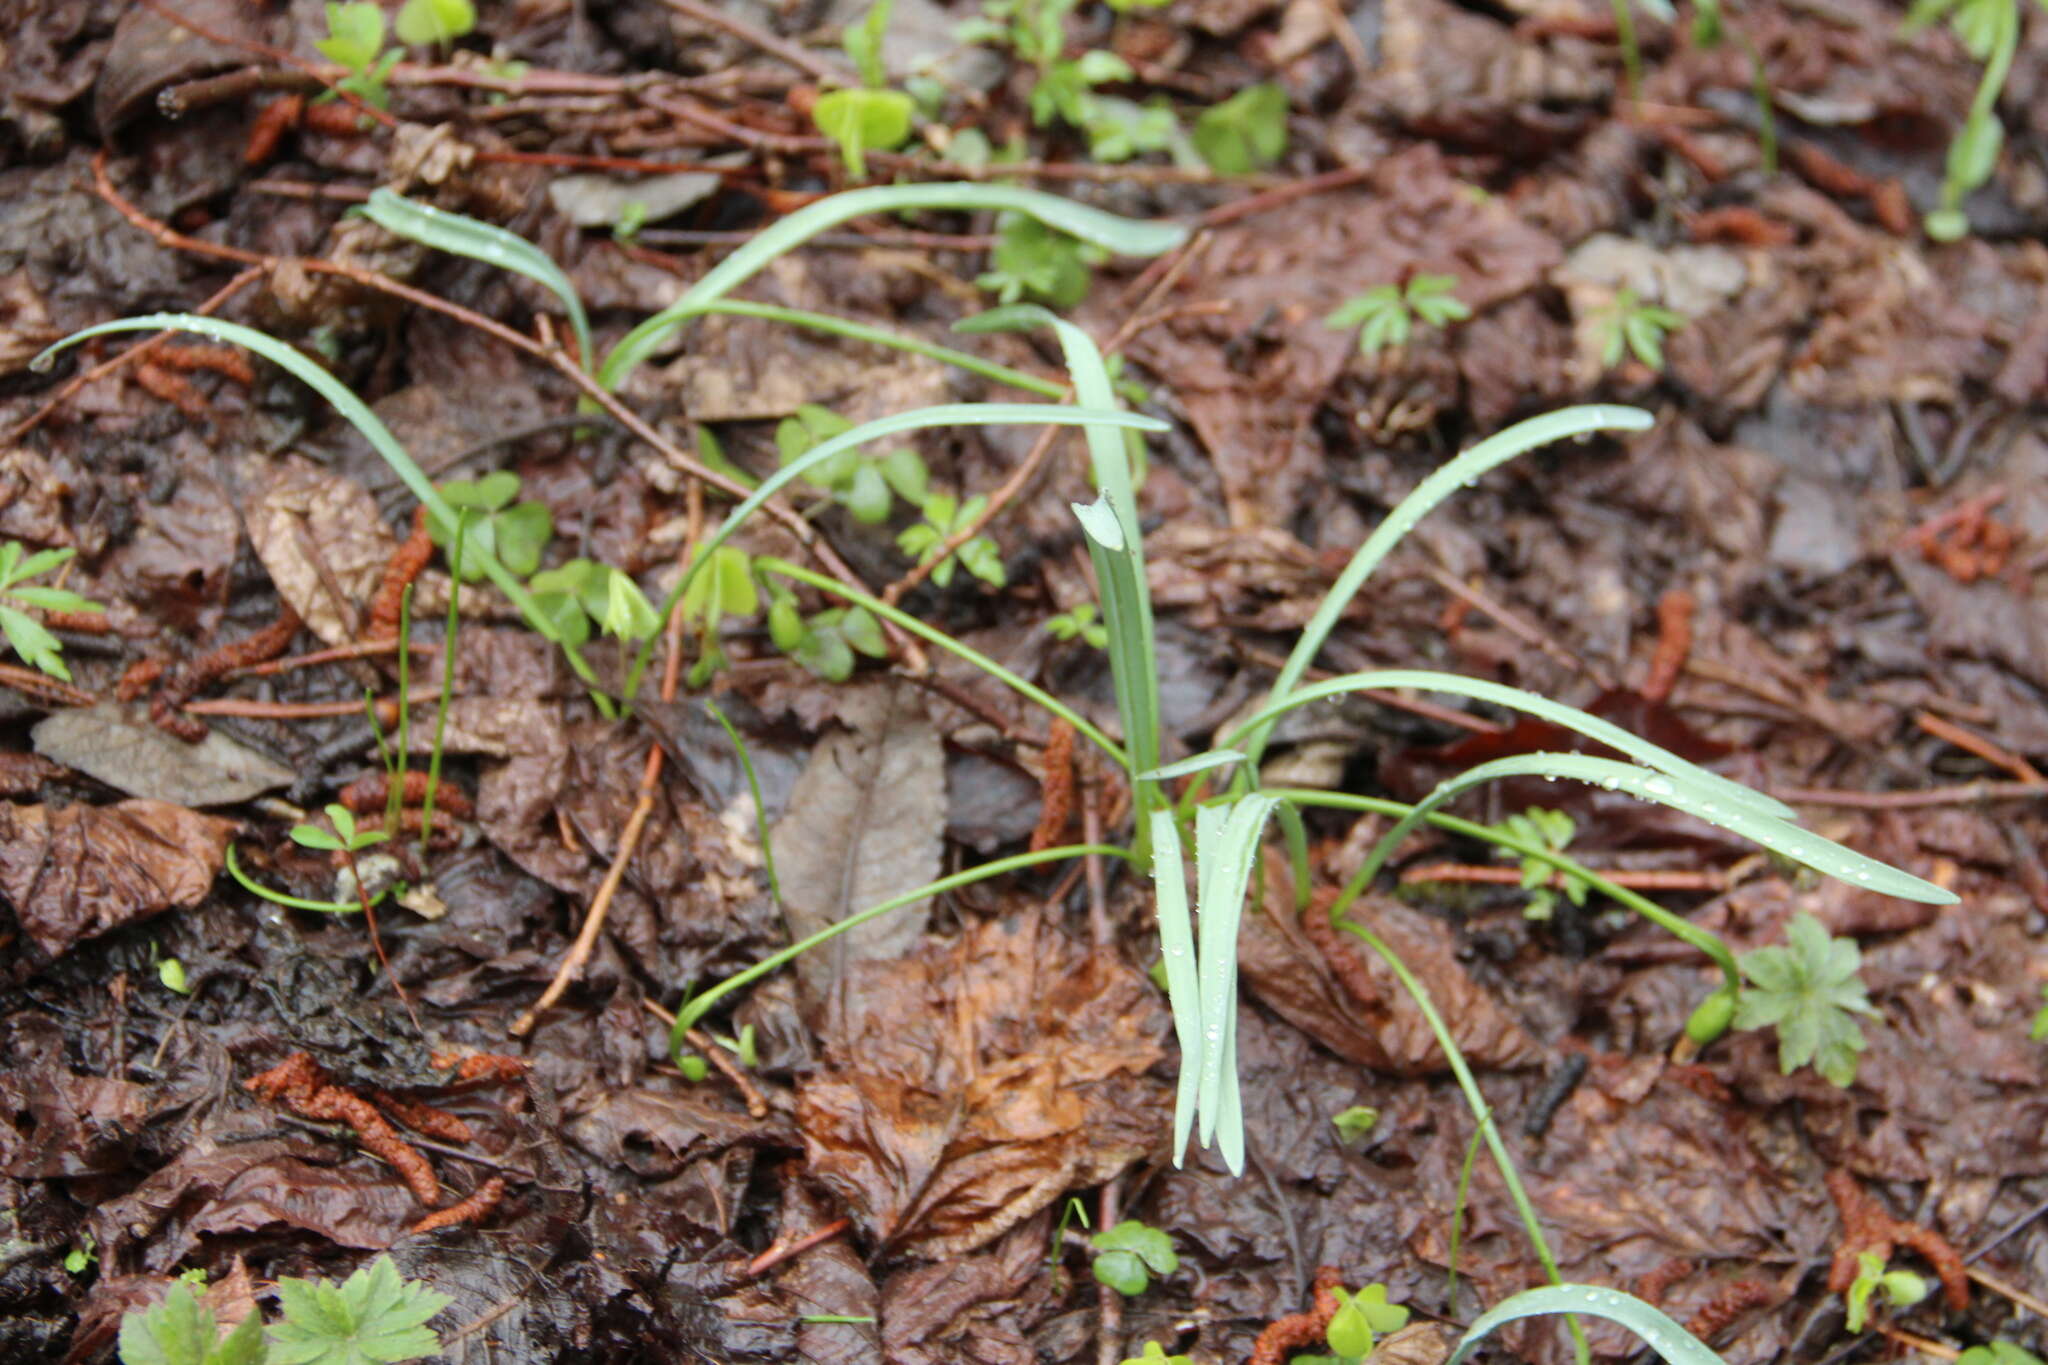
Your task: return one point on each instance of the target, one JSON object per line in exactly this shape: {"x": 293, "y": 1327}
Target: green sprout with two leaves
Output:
{"x": 30, "y": 639}
{"x": 870, "y": 116}
{"x": 1386, "y": 314}
{"x": 1989, "y": 31}
{"x": 1900, "y": 1288}
{"x": 355, "y": 41}
{"x": 1552, "y": 830}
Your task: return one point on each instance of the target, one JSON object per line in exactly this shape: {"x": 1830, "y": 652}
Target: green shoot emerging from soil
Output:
{"x": 1900, "y": 1288}
{"x": 28, "y": 637}
{"x": 1629, "y": 326}
{"x": 1386, "y": 314}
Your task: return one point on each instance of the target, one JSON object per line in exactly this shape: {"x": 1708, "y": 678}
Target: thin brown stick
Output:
{"x": 1639, "y": 879}
{"x": 338, "y": 654}
{"x": 795, "y": 1246}
{"x": 276, "y": 55}
{"x": 1971, "y": 742}
{"x": 1934, "y": 796}
{"x": 766, "y": 41}
{"x": 756, "y": 1102}
{"x": 1348, "y": 39}
{"x": 141, "y": 351}
{"x": 579, "y": 952}
{"x": 38, "y": 684}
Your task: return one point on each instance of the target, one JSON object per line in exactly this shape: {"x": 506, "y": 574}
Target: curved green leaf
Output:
{"x": 1458, "y": 473}
{"x": 1125, "y": 236}
{"x": 461, "y": 235}
{"x": 1659, "y": 1331}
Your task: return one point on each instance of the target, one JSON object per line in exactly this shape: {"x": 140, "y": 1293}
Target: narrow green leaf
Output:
{"x": 1659, "y": 1331}
{"x": 462, "y": 235}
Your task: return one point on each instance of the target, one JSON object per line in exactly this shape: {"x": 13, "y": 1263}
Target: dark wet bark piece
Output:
{"x": 79, "y": 871}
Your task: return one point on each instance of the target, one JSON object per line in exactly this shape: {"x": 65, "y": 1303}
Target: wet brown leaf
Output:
{"x": 82, "y": 870}
{"x": 972, "y": 1082}
{"x": 323, "y": 541}
{"x": 1284, "y": 970}
{"x": 119, "y": 745}
{"x": 965, "y": 1311}
{"x": 864, "y": 824}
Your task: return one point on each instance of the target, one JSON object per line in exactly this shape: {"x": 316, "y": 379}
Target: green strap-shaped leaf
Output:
{"x": 1780, "y": 836}
{"x": 1570, "y": 717}
{"x": 1458, "y": 473}
{"x": 944, "y": 415}
{"x": 1659, "y": 1331}
{"x": 1125, "y": 236}
{"x": 461, "y": 235}
{"x": 362, "y": 419}
{"x": 1183, "y": 985}
{"x": 1226, "y": 848}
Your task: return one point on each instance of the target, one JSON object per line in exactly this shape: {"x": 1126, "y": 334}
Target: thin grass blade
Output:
{"x": 1570, "y": 717}
{"x": 944, "y": 415}
{"x": 1824, "y": 856}
{"x": 1125, "y": 236}
{"x": 1458, "y": 473}
{"x": 1183, "y": 986}
{"x": 460, "y": 235}
{"x": 363, "y": 420}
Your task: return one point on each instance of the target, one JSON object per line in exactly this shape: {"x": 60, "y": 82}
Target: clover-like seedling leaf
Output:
{"x": 1809, "y": 990}
{"x": 375, "y": 1317}
{"x": 1350, "y": 1334}
{"x": 862, "y": 119}
{"x": 1034, "y": 261}
{"x": 725, "y": 588}
{"x": 627, "y": 613}
{"x": 1154, "y": 1353}
{"x": 1126, "y": 1252}
{"x": 1999, "y": 1352}
{"x": 1247, "y": 132}
{"x": 355, "y": 35}
{"x": 434, "y": 21}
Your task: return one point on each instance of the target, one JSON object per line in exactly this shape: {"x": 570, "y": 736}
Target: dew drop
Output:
{"x": 1657, "y": 786}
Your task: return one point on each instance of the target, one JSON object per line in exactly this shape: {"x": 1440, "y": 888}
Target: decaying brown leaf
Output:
{"x": 974, "y": 1081}
{"x": 864, "y": 824}
{"x": 82, "y": 870}
{"x": 117, "y": 744}
{"x": 323, "y": 541}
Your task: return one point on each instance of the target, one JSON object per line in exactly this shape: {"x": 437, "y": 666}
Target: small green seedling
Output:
{"x": 1810, "y": 992}
{"x": 1360, "y": 1320}
{"x": 1033, "y": 261}
{"x": 2038, "y": 1030}
{"x": 1902, "y": 1288}
{"x": 1385, "y": 315}
{"x": 1355, "y": 1123}
{"x": 1999, "y": 1353}
{"x": 1129, "y": 1254}
{"x": 30, "y": 638}
{"x": 1989, "y": 31}
{"x": 435, "y": 22}
{"x": 81, "y": 1257}
{"x": 870, "y": 116}
{"x": 943, "y": 518}
{"x": 1245, "y": 133}
{"x": 355, "y": 37}
{"x": 826, "y": 642}
{"x": 516, "y": 533}
{"x": 1080, "y": 623}
{"x": 343, "y": 838}
{"x": 726, "y": 588}
{"x": 1551, "y": 829}
{"x": 1154, "y": 1353}
{"x": 170, "y": 973}
{"x": 1628, "y": 326}
{"x": 1067, "y": 89}
{"x": 582, "y": 593}
{"x": 862, "y": 486}
{"x": 632, "y": 217}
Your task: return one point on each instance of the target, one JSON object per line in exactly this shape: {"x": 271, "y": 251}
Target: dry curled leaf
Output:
{"x": 323, "y": 541}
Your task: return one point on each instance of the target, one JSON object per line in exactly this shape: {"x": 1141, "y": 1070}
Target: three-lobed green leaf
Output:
{"x": 1129, "y": 1254}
